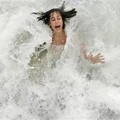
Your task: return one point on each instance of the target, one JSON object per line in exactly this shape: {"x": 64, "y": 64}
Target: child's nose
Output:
{"x": 56, "y": 21}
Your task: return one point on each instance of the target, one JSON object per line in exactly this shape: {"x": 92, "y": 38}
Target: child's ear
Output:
{"x": 50, "y": 27}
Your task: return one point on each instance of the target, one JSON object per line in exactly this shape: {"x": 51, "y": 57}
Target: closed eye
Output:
{"x": 59, "y": 18}
{"x": 52, "y": 19}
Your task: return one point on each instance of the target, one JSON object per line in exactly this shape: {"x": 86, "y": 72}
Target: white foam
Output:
{"x": 73, "y": 89}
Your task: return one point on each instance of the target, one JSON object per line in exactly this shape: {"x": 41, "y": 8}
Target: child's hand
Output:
{"x": 96, "y": 59}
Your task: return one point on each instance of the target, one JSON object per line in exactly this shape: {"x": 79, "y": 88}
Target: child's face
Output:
{"x": 56, "y": 22}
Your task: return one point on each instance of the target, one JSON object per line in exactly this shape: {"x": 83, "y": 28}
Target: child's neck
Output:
{"x": 59, "y": 38}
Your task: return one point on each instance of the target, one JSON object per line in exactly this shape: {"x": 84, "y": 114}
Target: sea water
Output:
{"x": 73, "y": 89}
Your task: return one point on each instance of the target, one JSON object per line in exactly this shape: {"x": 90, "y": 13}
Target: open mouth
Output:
{"x": 58, "y": 26}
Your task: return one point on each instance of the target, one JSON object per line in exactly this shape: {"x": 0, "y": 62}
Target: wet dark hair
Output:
{"x": 66, "y": 15}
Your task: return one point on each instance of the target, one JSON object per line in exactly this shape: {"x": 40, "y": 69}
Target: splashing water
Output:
{"x": 74, "y": 89}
